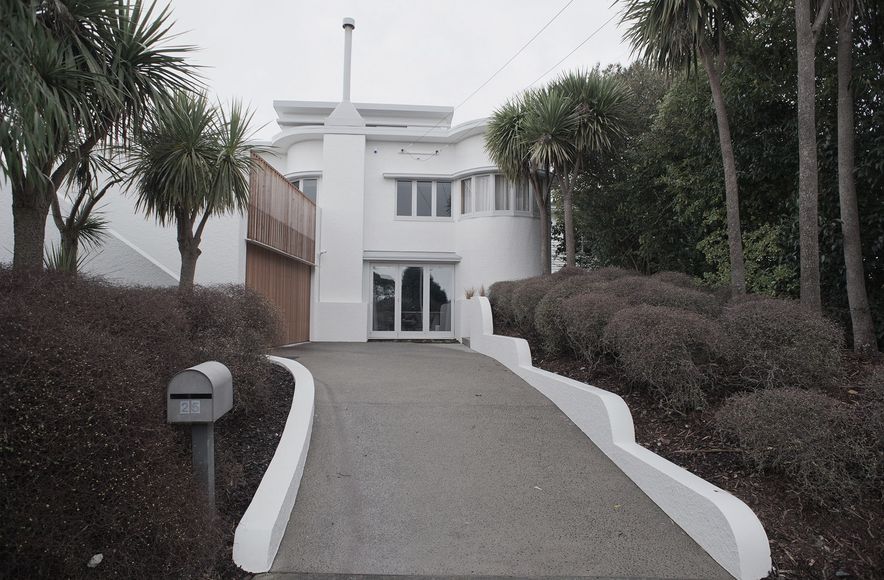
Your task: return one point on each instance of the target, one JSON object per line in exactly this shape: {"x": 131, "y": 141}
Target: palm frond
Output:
{"x": 668, "y": 34}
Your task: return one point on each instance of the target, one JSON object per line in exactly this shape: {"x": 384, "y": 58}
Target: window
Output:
{"x": 522, "y": 196}
{"x": 424, "y": 199}
{"x": 501, "y": 193}
{"x": 403, "y": 198}
{"x": 483, "y": 193}
{"x": 466, "y": 196}
{"x": 443, "y": 199}
{"x": 307, "y": 186}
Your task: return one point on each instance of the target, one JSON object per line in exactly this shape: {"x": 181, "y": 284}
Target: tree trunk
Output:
{"x": 568, "y": 214}
{"x": 808, "y": 178}
{"x": 188, "y": 247}
{"x": 731, "y": 187}
{"x": 30, "y": 208}
{"x": 189, "y": 255}
{"x": 70, "y": 249}
{"x": 860, "y": 315}
{"x": 545, "y": 249}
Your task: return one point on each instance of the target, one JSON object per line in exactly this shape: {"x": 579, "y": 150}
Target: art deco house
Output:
{"x": 407, "y": 214}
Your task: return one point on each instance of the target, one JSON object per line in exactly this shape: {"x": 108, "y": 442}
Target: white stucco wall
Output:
{"x": 339, "y": 310}
{"x": 140, "y": 251}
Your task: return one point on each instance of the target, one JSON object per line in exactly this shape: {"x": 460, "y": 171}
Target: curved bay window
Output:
{"x": 490, "y": 194}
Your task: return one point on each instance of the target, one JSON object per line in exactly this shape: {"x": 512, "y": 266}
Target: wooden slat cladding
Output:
{"x": 281, "y": 247}
{"x": 280, "y": 216}
{"x": 286, "y": 284}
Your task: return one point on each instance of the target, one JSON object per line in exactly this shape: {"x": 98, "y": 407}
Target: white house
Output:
{"x": 410, "y": 214}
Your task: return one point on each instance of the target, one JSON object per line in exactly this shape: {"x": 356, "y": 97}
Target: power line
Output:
{"x": 497, "y": 72}
{"x": 585, "y": 40}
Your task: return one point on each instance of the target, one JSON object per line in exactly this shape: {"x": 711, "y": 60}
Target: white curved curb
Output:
{"x": 260, "y": 530}
{"x": 719, "y": 522}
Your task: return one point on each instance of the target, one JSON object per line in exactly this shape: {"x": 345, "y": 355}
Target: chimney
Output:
{"x": 345, "y": 114}
{"x": 349, "y": 27}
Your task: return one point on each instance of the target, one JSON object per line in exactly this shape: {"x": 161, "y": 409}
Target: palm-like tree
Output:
{"x": 189, "y": 162}
{"x": 74, "y": 74}
{"x": 508, "y": 147}
{"x": 676, "y": 35}
{"x": 573, "y": 122}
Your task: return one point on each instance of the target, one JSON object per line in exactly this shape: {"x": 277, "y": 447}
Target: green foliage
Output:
{"x": 76, "y": 73}
{"x": 193, "y": 158}
{"x": 659, "y": 203}
{"x": 671, "y": 34}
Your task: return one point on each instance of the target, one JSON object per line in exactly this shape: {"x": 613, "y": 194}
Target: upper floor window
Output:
{"x": 493, "y": 193}
{"x": 427, "y": 199}
{"x": 307, "y": 185}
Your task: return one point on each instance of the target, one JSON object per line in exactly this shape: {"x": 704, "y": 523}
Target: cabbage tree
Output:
{"x": 508, "y": 147}
{"x": 676, "y": 36}
{"x": 74, "y": 74}
{"x": 189, "y": 162}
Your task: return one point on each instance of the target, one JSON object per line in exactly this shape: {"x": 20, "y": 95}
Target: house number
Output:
{"x": 189, "y": 407}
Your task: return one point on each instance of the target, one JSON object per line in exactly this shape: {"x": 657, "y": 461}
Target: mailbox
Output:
{"x": 200, "y": 394}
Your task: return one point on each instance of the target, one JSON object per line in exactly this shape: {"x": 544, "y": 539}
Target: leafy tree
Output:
{"x": 673, "y": 35}
{"x": 74, "y": 74}
{"x": 808, "y": 28}
{"x": 860, "y": 314}
{"x": 659, "y": 204}
{"x": 189, "y": 162}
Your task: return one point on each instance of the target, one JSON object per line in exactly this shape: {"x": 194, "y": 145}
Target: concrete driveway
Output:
{"x": 433, "y": 460}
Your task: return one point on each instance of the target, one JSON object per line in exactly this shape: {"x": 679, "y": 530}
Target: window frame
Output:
{"x": 413, "y": 216}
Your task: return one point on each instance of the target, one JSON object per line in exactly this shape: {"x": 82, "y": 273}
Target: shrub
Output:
{"x": 679, "y": 279}
{"x": 500, "y": 296}
{"x": 89, "y": 465}
{"x": 235, "y": 326}
{"x": 548, "y": 316}
{"x": 636, "y": 290}
{"x": 525, "y": 298}
{"x": 779, "y": 343}
{"x": 673, "y": 351}
{"x": 813, "y": 439}
{"x": 608, "y": 274}
{"x": 584, "y": 317}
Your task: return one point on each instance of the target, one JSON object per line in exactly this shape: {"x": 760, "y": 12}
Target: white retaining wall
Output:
{"x": 260, "y": 531}
{"x": 719, "y": 522}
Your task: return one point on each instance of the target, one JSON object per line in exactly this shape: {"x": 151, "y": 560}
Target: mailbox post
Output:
{"x": 199, "y": 396}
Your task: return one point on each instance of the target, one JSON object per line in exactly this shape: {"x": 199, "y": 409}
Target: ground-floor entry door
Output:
{"x": 412, "y": 301}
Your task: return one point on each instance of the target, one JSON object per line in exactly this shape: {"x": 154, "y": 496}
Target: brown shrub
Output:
{"x": 235, "y": 326}
{"x": 500, "y": 296}
{"x": 548, "y": 316}
{"x": 673, "y": 351}
{"x": 89, "y": 465}
{"x": 779, "y": 343}
{"x": 584, "y": 317}
{"x": 814, "y": 440}
{"x": 636, "y": 290}
{"x": 525, "y": 298}
{"x": 679, "y": 279}
{"x": 609, "y": 273}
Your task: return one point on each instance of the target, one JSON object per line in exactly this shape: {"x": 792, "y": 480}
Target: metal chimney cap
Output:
{"x": 349, "y": 22}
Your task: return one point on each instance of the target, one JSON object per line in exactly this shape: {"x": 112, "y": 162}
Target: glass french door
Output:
{"x": 412, "y": 301}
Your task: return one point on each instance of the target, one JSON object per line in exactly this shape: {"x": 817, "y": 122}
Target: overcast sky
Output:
{"x": 404, "y": 51}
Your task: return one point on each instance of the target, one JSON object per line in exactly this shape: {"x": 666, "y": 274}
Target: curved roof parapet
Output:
{"x": 314, "y": 113}
{"x": 443, "y": 133}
